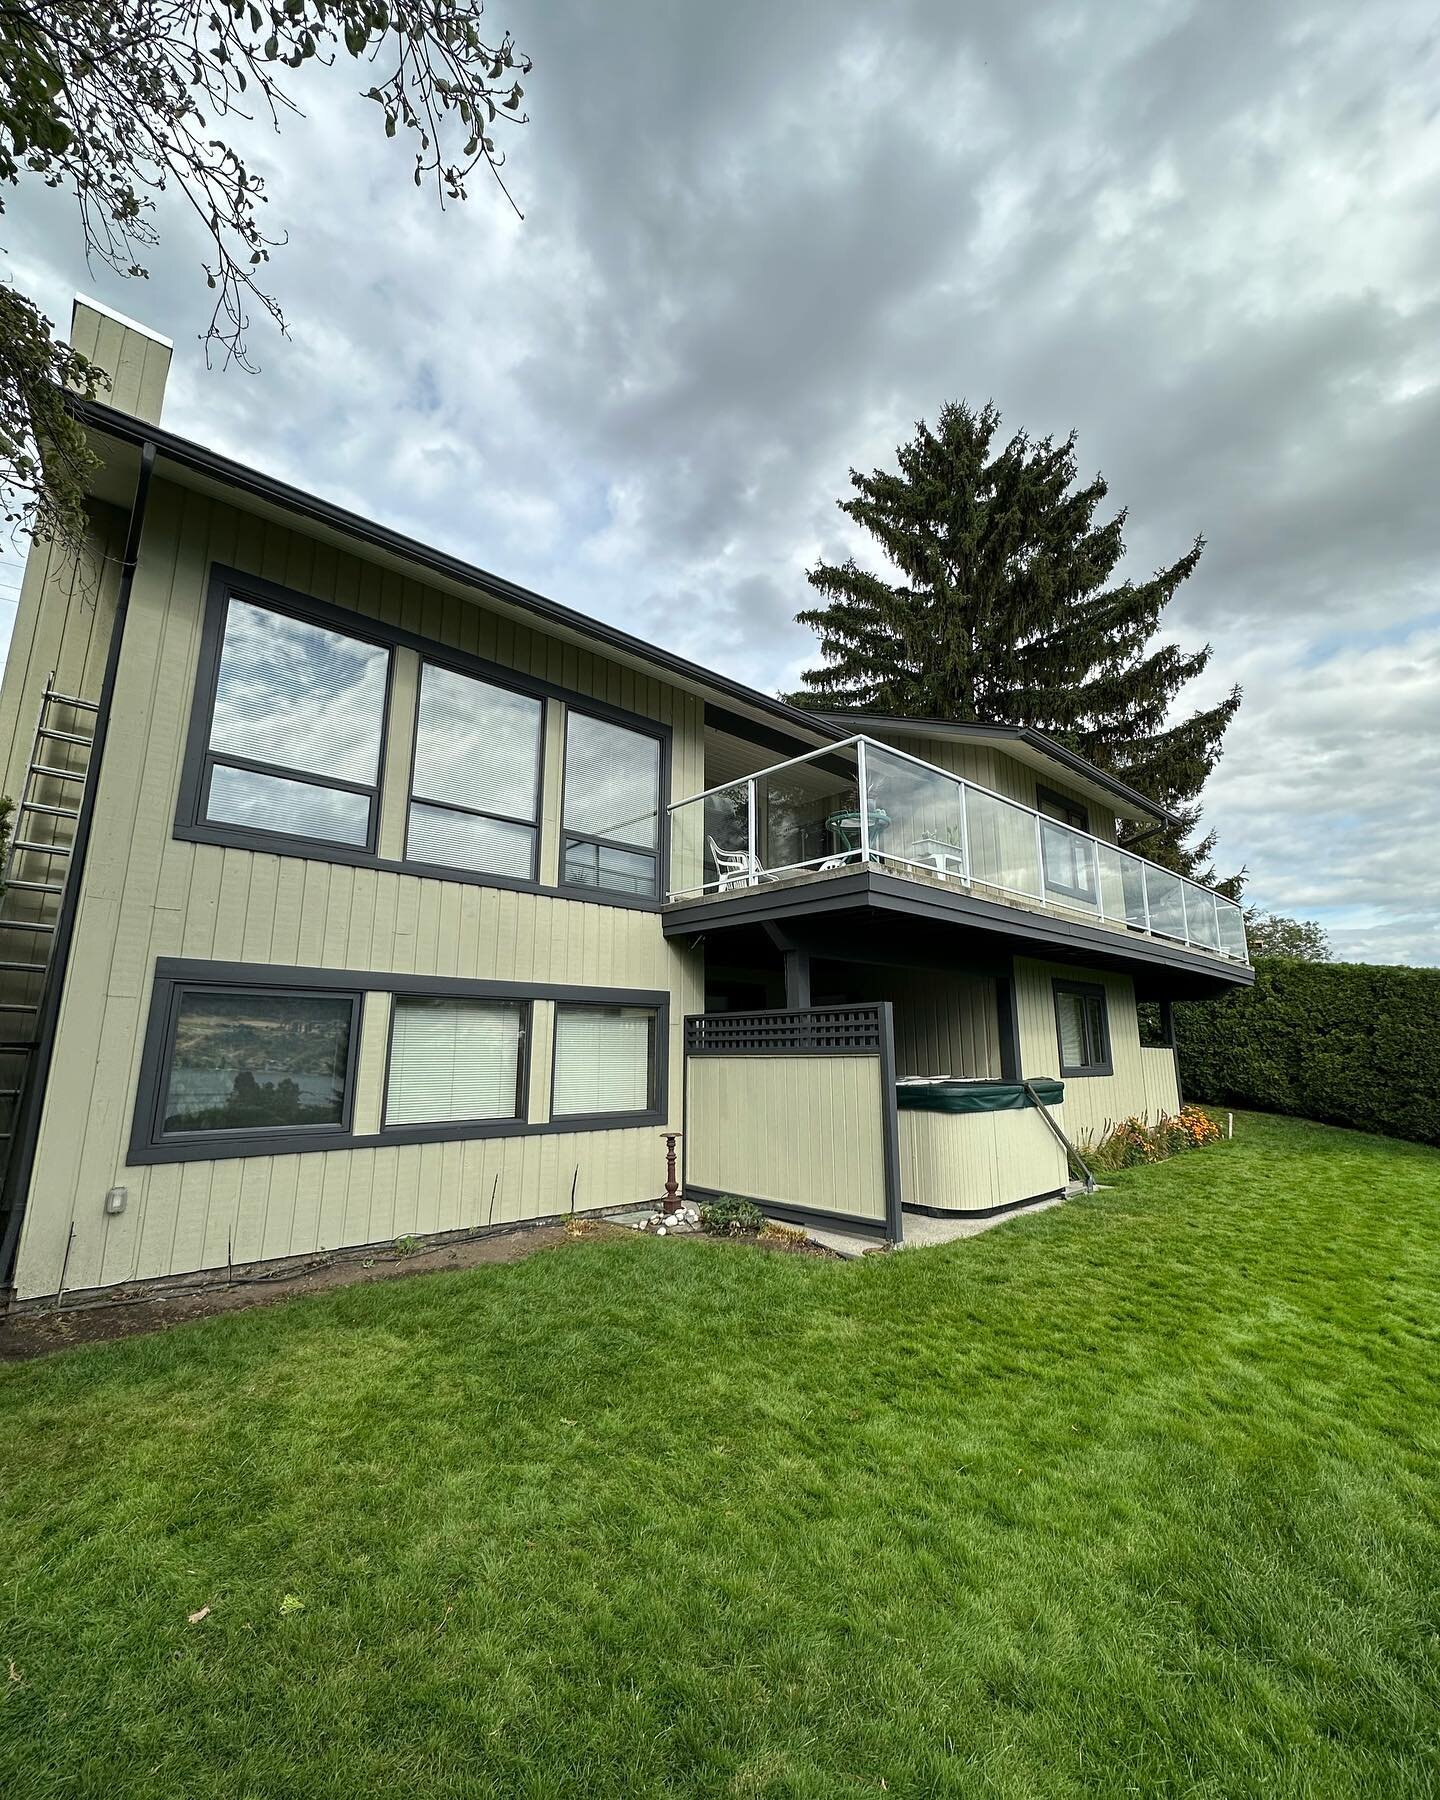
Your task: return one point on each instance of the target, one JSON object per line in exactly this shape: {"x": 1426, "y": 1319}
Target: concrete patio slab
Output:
{"x": 921, "y": 1231}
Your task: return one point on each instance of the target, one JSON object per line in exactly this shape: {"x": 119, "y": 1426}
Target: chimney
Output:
{"x": 136, "y": 359}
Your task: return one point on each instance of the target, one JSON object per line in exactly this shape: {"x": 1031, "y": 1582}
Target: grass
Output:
{"x": 1137, "y": 1496}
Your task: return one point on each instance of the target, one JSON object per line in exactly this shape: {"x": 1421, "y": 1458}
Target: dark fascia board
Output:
{"x": 866, "y": 889}
{"x": 195, "y": 458}
{"x": 1025, "y": 734}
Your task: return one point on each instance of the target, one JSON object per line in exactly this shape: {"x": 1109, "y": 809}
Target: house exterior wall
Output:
{"x": 148, "y": 894}
{"x": 1092, "y": 1102}
{"x": 1005, "y": 775}
{"x": 1162, "y": 1085}
{"x": 800, "y": 1131}
{"x": 945, "y": 1024}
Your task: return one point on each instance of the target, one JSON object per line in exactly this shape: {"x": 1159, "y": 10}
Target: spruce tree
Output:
{"x": 998, "y": 606}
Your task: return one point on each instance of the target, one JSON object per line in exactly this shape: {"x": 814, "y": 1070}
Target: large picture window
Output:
{"x": 249, "y": 1061}
{"x": 1083, "y": 1028}
{"x": 453, "y": 1060}
{"x": 612, "y": 807}
{"x": 296, "y": 728}
{"x": 605, "y": 1060}
{"x": 475, "y": 790}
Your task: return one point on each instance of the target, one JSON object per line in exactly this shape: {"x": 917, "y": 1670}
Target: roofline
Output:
{"x": 800, "y": 720}
{"x": 1027, "y": 734}
{"x": 203, "y": 461}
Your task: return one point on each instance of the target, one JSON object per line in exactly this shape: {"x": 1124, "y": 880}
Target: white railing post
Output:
{"x": 1145, "y": 894}
{"x": 1184, "y": 909}
{"x": 1039, "y": 855}
{"x": 864, "y": 786}
{"x": 965, "y": 832}
{"x": 752, "y": 878}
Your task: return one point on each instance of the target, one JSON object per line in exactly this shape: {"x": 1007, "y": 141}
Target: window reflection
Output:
{"x": 293, "y": 697}
{"x": 250, "y": 1062}
{"x": 612, "y": 806}
{"x": 476, "y": 783}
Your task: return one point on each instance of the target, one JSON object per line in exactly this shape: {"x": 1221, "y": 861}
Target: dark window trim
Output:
{"x": 471, "y": 1127}
{"x": 654, "y": 1113}
{"x": 1054, "y": 797}
{"x": 413, "y": 798}
{"x": 570, "y": 840}
{"x": 191, "y": 826}
{"x": 159, "y": 1056}
{"x": 661, "y": 852}
{"x": 1070, "y": 890}
{"x": 199, "y": 762}
{"x": 1084, "y": 990}
{"x": 172, "y": 973}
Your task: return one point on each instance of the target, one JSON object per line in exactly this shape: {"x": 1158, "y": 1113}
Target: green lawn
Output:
{"x": 1137, "y": 1496}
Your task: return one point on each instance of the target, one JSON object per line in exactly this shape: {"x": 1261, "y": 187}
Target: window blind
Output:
{"x": 1072, "y": 1030}
{"x": 604, "y": 1059}
{"x": 454, "y": 1059}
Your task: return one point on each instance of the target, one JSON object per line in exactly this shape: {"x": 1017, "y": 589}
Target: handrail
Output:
{"x": 1065, "y": 1143}
{"x": 961, "y": 781}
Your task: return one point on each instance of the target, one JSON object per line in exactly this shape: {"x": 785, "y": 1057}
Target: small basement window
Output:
{"x": 1083, "y": 1028}
{"x": 605, "y": 1061}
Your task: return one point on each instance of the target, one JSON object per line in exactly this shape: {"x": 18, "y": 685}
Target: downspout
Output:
{"x": 37, "y": 1075}
{"x": 1069, "y": 1149}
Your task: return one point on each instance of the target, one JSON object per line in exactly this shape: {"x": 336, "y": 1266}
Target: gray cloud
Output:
{"x": 760, "y": 242}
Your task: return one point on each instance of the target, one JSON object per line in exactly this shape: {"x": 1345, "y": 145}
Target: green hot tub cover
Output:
{"x": 975, "y": 1096}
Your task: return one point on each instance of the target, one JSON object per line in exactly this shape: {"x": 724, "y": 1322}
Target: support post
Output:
{"x": 1167, "y": 1035}
{"x": 797, "y": 981}
{"x": 1009, "y": 1025}
{"x": 890, "y": 1127}
{"x": 863, "y": 789}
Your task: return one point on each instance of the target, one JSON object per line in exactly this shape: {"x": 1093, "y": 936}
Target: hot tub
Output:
{"x": 977, "y": 1147}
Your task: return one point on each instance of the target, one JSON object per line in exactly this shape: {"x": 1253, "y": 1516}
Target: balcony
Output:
{"x": 861, "y": 802}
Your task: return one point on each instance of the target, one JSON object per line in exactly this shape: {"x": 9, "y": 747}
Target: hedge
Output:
{"x": 1350, "y": 1043}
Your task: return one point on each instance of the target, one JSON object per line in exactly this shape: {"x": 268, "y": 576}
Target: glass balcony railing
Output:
{"x": 864, "y": 802}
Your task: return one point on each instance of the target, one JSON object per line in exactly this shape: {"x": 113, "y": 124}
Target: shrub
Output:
{"x": 1196, "y": 1127}
{"x": 1349, "y": 1043}
{"x": 729, "y": 1217}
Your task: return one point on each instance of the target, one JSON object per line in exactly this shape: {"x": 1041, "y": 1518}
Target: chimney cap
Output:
{"x": 120, "y": 318}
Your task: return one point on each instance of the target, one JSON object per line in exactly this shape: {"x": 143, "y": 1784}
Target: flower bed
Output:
{"x": 1135, "y": 1140}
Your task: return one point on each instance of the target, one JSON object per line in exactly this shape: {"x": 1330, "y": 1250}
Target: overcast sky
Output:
{"x": 761, "y": 241}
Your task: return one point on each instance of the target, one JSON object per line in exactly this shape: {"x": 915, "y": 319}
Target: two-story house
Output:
{"x": 355, "y": 892}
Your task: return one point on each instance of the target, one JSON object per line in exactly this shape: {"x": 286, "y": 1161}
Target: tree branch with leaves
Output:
{"x": 122, "y": 101}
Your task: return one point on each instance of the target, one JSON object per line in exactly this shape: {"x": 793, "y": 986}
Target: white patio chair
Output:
{"x": 735, "y": 868}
